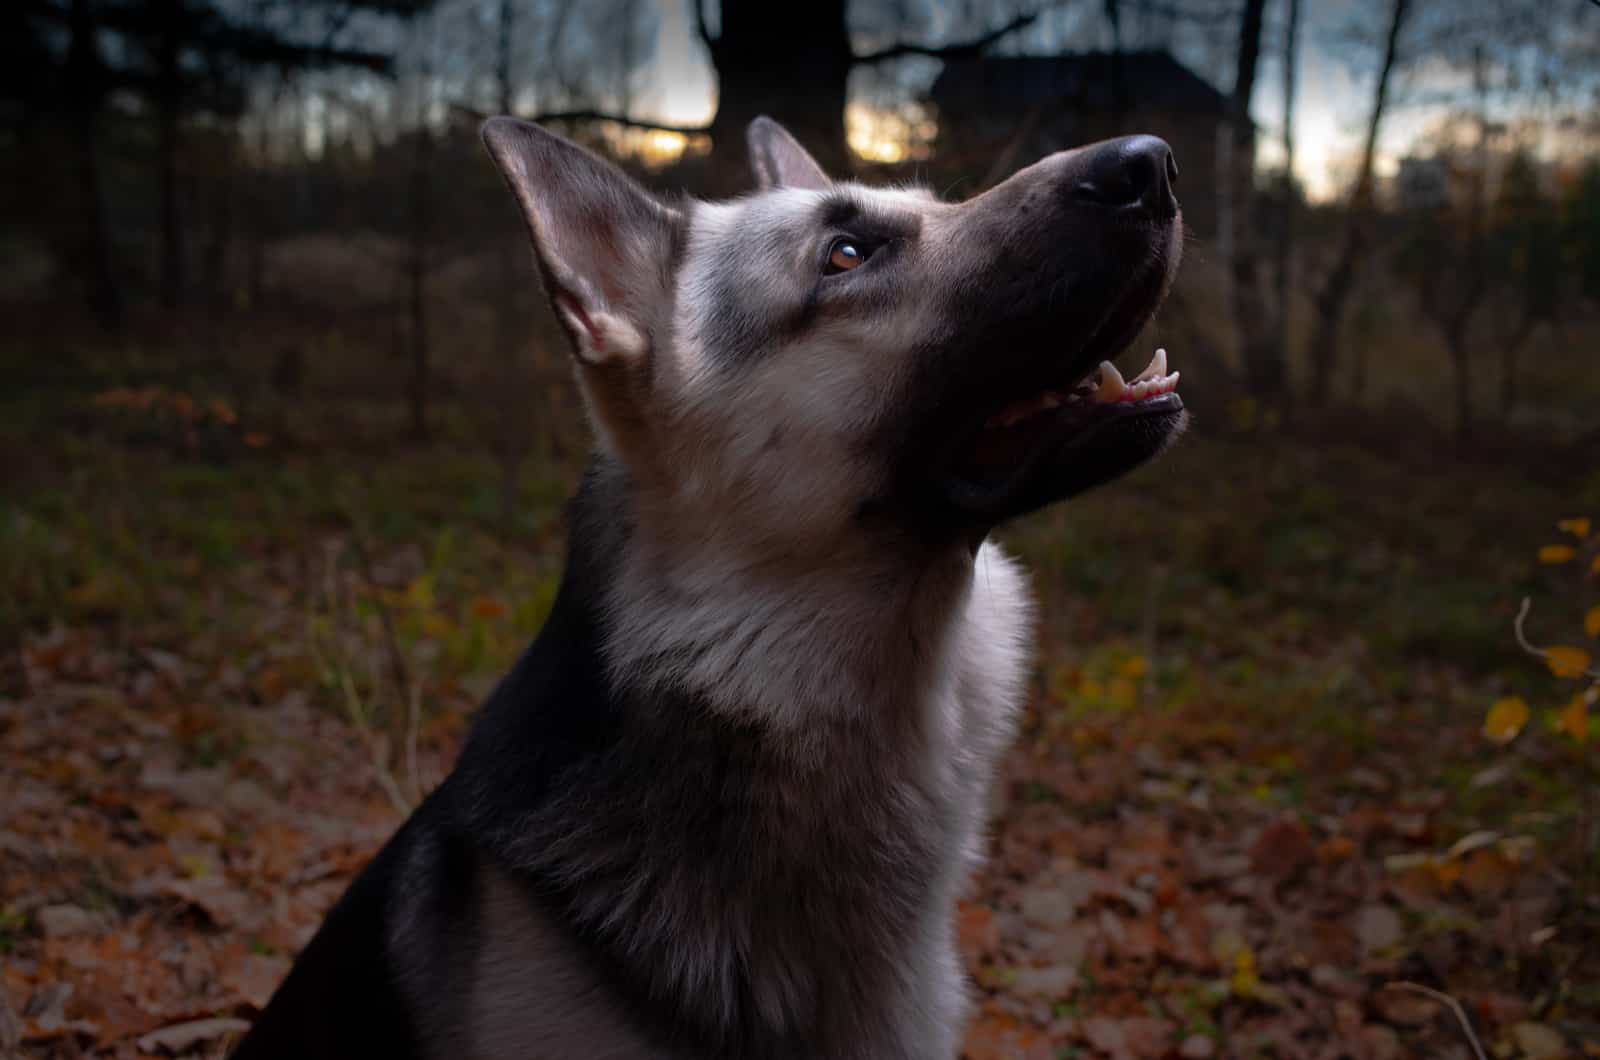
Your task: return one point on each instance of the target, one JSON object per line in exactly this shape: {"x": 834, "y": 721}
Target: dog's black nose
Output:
{"x": 1135, "y": 173}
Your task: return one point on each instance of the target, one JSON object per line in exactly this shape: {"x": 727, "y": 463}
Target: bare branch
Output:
{"x": 588, "y": 116}
{"x": 964, "y": 50}
{"x": 1179, "y": 13}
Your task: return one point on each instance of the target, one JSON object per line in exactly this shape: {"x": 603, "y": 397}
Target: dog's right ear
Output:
{"x": 778, "y": 159}
{"x": 604, "y": 244}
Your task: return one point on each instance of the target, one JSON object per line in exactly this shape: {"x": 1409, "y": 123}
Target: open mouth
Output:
{"x": 1062, "y": 439}
{"x": 1053, "y": 422}
{"x": 1106, "y": 388}
{"x": 1044, "y": 424}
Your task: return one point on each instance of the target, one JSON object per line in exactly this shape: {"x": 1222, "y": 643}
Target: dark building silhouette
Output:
{"x": 1010, "y": 110}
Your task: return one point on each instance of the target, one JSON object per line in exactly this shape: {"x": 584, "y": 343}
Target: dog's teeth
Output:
{"x": 1155, "y": 369}
{"x": 1112, "y": 385}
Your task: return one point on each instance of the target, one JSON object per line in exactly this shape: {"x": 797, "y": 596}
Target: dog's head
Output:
{"x": 818, "y": 354}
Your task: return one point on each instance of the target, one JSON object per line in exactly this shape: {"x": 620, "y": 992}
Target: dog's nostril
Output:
{"x": 1134, "y": 173}
{"x": 1105, "y": 193}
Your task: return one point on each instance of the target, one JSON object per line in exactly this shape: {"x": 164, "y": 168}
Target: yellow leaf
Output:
{"x": 1574, "y": 719}
{"x": 1245, "y": 980}
{"x": 419, "y": 593}
{"x": 1578, "y": 527}
{"x": 1505, "y": 719}
{"x": 1557, "y": 553}
{"x": 1594, "y": 568}
{"x": 1591, "y": 622}
{"x": 1133, "y": 667}
{"x": 1566, "y": 661}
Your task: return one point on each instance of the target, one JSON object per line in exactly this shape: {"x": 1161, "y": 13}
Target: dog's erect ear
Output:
{"x": 778, "y": 159}
{"x": 604, "y": 243}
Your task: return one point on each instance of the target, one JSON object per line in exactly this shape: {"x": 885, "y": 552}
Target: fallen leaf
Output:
{"x": 976, "y": 933}
{"x": 1405, "y": 1008}
{"x": 1539, "y": 1041}
{"x": 1472, "y": 841}
{"x": 1051, "y": 983}
{"x": 1336, "y": 849}
{"x": 996, "y": 1036}
{"x": 180, "y": 1037}
{"x": 10, "y": 1026}
{"x": 1578, "y": 527}
{"x": 1574, "y": 718}
{"x": 1591, "y": 622}
{"x": 1505, "y": 719}
{"x": 1377, "y": 927}
{"x": 1047, "y": 905}
{"x": 59, "y": 921}
{"x": 1281, "y": 850}
{"x": 1566, "y": 661}
{"x": 1139, "y": 1038}
{"x": 254, "y": 978}
{"x": 1381, "y": 1043}
{"x": 225, "y": 906}
{"x": 1557, "y": 553}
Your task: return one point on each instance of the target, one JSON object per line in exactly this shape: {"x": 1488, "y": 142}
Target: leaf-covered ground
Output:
{"x": 1252, "y": 798}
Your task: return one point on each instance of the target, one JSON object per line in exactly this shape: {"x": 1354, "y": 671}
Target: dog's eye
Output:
{"x": 843, "y": 256}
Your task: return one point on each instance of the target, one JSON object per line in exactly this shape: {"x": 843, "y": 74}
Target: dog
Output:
{"x": 724, "y": 804}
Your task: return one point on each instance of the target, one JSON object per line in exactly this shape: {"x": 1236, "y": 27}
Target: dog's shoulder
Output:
{"x": 350, "y": 990}
{"x": 555, "y": 710}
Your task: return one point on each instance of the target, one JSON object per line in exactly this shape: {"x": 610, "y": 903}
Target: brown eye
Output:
{"x": 843, "y": 257}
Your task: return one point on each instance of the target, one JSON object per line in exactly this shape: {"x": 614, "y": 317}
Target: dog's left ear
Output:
{"x": 778, "y": 159}
{"x": 604, "y": 244}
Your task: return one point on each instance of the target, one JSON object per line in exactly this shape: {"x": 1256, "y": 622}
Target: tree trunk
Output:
{"x": 512, "y": 400}
{"x": 1284, "y": 250}
{"x": 92, "y": 249}
{"x": 788, "y": 61}
{"x": 1340, "y": 281}
{"x": 416, "y": 285}
{"x": 1262, "y": 362}
{"x": 169, "y": 92}
{"x": 220, "y": 241}
{"x": 1510, "y": 361}
{"x": 1461, "y": 365}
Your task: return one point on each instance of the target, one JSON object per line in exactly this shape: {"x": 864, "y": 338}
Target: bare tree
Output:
{"x": 1284, "y": 247}
{"x": 1262, "y": 359}
{"x": 418, "y": 249}
{"x": 1334, "y": 294}
{"x": 86, "y": 86}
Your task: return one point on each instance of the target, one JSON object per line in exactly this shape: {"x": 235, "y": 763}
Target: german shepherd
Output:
{"x": 724, "y": 804}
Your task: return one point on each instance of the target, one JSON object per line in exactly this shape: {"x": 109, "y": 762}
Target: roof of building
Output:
{"x": 1084, "y": 81}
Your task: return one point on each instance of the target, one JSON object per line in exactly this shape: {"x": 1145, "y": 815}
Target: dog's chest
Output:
{"x": 783, "y": 910}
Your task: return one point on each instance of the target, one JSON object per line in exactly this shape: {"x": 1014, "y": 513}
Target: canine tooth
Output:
{"x": 1112, "y": 385}
{"x": 1155, "y": 369}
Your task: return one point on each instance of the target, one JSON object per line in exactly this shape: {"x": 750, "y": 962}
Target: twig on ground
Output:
{"x": 1454, "y": 1005}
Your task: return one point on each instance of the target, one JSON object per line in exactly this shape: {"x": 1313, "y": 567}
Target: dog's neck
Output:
{"x": 874, "y": 626}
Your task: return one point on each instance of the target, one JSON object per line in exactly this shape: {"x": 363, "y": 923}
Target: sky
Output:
{"x": 1331, "y": 109}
